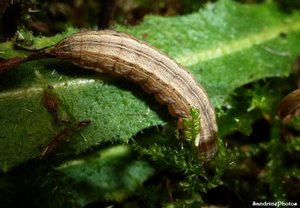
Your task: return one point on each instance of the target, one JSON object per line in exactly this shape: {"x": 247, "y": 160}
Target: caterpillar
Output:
{"x": 119, "y": 54}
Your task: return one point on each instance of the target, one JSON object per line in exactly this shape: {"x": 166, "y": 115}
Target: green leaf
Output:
{"x": 110, "y": 174}
{"x": 226, "y": 46}
{"x": 223, "y": 52}
{"x": 27, "y": 126}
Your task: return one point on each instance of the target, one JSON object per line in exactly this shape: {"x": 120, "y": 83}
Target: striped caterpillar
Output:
{"x": 119, "y": 54}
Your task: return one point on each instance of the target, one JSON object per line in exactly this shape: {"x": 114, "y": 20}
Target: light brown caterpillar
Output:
{"x": 119, "y": 54}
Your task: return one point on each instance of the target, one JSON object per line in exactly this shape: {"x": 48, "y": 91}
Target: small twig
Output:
{"x": 275, "y": 52}
{"x": 9, "y": 64}
{"x": 62, "y": 136}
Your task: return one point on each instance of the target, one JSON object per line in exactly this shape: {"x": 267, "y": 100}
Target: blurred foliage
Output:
{"x": 51, "y": 17}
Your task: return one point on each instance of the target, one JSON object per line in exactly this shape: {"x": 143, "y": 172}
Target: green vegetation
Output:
{"x": 130, "y": 154}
